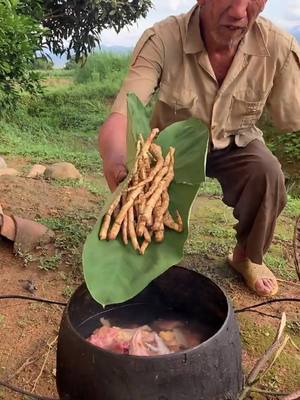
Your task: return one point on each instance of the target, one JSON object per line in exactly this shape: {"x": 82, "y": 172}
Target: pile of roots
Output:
{"x": 141, "y": 211}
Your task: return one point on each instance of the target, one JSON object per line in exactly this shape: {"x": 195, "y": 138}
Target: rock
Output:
{"x": 36, "y": 171}
{"x": 62, "y": 170}
{"x": 2, "y": 163}
{"x": 8, "y": 171}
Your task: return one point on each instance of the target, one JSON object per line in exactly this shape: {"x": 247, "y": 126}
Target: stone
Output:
{"x": 36, "y": 171}
{"x": 2, "y": 163}
{"x": 62, "y": 170}
{"x": 8, "y": 171}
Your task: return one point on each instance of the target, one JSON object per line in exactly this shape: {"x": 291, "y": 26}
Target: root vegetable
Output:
{"x": 162, "y": 185}
{"x": 170, "y": 223}
{"x": 125, "y": 223}
{"x": 165, "y": 201}
{"x": 160, "y": 234}
{"x": 147, "y": 235}
{"x": 131, "y": 230}
{"x": 107, "y": 219}
{"x": 142, "y": 210}
{"x": 118, "y": 221}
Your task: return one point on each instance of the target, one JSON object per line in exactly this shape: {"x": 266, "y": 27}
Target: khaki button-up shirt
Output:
{"x": 171, "y": 57}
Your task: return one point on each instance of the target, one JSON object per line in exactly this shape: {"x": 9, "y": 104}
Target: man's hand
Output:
{"x": 113, "y": 149}
{"x": 115, "y": 172}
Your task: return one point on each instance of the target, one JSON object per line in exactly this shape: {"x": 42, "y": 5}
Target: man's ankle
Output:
{"x": 239, "y": 254}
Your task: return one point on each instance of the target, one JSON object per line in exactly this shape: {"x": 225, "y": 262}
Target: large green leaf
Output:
{"x": 114, "y": 272}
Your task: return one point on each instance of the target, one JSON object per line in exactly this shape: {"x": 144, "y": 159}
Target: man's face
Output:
{"x": 229, "y": 20}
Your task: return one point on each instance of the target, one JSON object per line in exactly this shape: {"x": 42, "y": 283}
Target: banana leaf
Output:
{"x": 113, "y": 272}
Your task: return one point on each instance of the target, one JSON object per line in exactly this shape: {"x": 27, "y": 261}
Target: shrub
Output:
{"x": 101, "y": 66}
{"x": 19, "y": 40}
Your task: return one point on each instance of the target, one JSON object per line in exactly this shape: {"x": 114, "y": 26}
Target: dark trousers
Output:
{"x": 253, "y": 185}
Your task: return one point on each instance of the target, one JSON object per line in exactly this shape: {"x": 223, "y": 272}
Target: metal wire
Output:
{"x": 21, "y": 391}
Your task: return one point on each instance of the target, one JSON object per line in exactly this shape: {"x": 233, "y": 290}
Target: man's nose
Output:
{"x": 238, "y": 9}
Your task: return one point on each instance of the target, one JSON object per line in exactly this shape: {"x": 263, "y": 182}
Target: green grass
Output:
{"x": 71, "y": 231}
{"x": 50, "y": 263}
{"x": 62, "y": 123}
{"x": 292, "y": 209}
{"x": 211, "y": 187}
{"x": 102, "y": 66}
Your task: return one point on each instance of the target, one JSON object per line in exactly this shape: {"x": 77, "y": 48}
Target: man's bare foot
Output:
{"x": 264, "y": 286}
{"x": 25, "y": 234}
{"x": 8, "y": 228}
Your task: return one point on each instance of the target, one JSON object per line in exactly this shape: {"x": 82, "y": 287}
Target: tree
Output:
{"x": 63, "y": 26}
{"x": 20, "y": 38}
{"x": 74, "y": 26}
{"x": 42, "y": 63}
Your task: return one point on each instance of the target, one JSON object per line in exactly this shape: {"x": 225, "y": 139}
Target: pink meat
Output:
{"x": 112, "y": 338}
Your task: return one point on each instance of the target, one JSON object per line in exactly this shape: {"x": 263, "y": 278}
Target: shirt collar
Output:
{"x": 193, "y": 42}
{"x": 252, "y": 44}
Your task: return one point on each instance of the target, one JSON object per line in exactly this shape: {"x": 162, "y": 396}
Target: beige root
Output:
{"x": 144, "y": 247}
{"x": 125, "y": 208}
{"x": 160, "y": 183}
{"x": 160, "y": 234}
{"x": 107, "y": 219}
{"x": 163, "y": 208}
{"x": 146, "y": 146}
{"x": 125, "y": 223}
{"x": 170, "y": 223}
{"x": 147, "y": 175}
{"x": 147, "y": 235}
{"x": 131, "y": 230}
{"x": 160, "y": 188}
{"x": 161, "y": 174}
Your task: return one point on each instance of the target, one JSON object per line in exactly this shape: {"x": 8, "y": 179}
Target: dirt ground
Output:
{"x": 28, "y": 330}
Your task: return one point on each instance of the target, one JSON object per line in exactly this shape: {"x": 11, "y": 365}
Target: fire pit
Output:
{"x": 210, "y": 371}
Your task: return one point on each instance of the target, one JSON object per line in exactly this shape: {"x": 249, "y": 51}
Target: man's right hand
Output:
{"x": 115, "y": 172}
{"x": 113, "y": 149}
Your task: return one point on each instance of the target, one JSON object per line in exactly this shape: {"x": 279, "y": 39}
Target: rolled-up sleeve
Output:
{"x": 284, "y": 99}
{"x": 144, "y": 72}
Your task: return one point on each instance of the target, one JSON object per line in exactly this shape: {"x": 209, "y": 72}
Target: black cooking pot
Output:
{"x": 210, "y": 371}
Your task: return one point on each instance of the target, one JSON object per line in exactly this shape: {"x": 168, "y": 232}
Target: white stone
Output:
{"x": 2, "y": 163}
{"x": 8, "y": 171}
{"x": 62, "y": 170}
{"x": 36, "y": 171}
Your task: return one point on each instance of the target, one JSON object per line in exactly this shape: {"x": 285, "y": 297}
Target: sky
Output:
{"x": 284, "y": 13}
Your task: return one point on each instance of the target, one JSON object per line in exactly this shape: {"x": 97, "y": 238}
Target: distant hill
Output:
{"x": 60, "y": 61}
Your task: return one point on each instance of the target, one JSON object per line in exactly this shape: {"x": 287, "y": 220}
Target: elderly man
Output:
{"x": 223, "y": 64}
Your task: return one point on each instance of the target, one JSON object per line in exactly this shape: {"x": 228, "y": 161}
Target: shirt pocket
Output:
{"x": 177, "y": 99}
{"x": 244, "y": 114}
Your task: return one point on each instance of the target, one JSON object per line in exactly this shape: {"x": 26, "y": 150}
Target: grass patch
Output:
{"x": 50, "y": 263}
{"x": 211, "y": 187}
{"x": 292, "y": 209}
{"x": 71, "y": 232}
{"x": 62, "y": 123}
